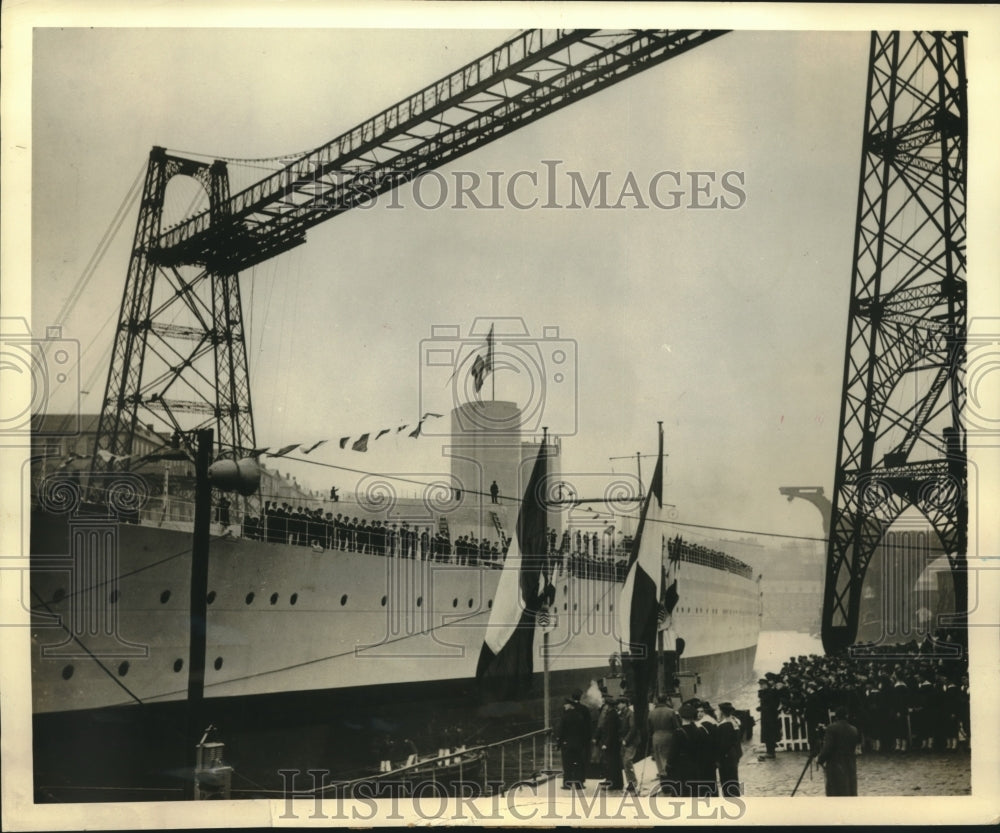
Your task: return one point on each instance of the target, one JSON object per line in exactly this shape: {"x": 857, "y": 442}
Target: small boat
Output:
{"x": 460, "y": 766}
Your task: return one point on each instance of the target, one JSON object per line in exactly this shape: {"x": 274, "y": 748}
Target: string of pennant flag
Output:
{"x": 359, "y": 444}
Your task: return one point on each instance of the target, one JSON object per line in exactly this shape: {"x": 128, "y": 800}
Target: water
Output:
{"x": 773, "y": 649}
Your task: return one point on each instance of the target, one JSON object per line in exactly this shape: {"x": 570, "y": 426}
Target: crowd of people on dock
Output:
{"x": 696, "y": 749}
{"x": 901, "y": 698}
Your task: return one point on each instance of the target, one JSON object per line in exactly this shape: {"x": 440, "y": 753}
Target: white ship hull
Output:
{"x": 303, "y": 637}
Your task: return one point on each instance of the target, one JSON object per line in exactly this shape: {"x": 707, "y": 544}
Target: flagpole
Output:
{"x": 661, "y": 676}
{"x": 545, "y": 645}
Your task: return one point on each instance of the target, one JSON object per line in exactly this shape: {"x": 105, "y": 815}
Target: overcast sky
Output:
{"x": 726, "y": 323}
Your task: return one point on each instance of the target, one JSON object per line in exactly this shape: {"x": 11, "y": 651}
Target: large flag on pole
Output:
{"x": 481, "y": 366}
{"x": 506, "y": 658}
{"x": 639, "y": 607}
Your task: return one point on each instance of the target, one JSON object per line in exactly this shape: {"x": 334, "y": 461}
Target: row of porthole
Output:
{"x": 115, "y": 595}
{"x": 420, "y": 601}
{"x": 165, "y": 597}
{"x": 249, "y": 598}
{"x": 123, "y": 667}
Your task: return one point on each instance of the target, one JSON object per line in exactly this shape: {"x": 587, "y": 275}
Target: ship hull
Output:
{"x": 312, "y": 656}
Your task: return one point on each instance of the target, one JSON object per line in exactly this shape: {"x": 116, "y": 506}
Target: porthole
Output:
{"x": 178, "y": 664}
{"x": 574, "y": 605}
{"x": 274, "y": 598}
{"x": 343, "y": 600}
{"x": 470, "y": 603}
{"x": 293, "y": 598}
{"x": 420, "y": 601}
{"x": 210, "y": 597}
{"x": 115, "y": 596}
{"x": 489, "y": 604}
{"x": 59, "y": 595}
{"x": 565, "y": 589}
{"x": 249, "y": 598}
{"x": 597, "y": 607}
{"x": 383, "y": 601}
{"x": 123, "y": 668}
{"x": 454, "y": 602}
{"x": 611, "y": 606}
{"x": 67, "y": 672}
{"x": 218, "y": 663}
{"x": 565, "y": 606}
{"x": 164, "y": 597}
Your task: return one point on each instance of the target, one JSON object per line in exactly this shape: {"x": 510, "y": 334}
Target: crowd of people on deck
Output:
{"x": 313, "y": 528}
{"x": 306, "y": 527}
{"x": 901, "y": 698}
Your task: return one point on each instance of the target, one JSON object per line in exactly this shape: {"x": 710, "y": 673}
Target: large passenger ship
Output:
{"x": 320, "y": 644}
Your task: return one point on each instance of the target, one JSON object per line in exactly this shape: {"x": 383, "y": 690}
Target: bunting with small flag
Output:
{"x": 639, "y": 609}
{"x": 359, "y": 444}
{"x": 506, "y": 659}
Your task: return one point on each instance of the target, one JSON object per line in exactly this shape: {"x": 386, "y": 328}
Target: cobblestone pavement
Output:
{"x": 898, "y": 774}
{"x": 916, "y": 773}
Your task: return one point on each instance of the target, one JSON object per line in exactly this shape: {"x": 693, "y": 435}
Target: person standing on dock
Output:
{"x": 682, "y": 763}
{"x": 837, "y": 756}
{"x": 630, "y": 741}
{"x": 708, "y": 783}
{"x": 609, "y": 745}
{"x": 573, "y": 737}
{"x": 494, "y": 492}
{"x": 729, "y": 734}
{"x": 770, "y": 723}
{"x": 662, "y": 722}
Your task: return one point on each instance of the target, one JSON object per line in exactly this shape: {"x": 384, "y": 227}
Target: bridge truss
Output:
{"x": 167, "y": 372}
{"x": 902, "y": 442}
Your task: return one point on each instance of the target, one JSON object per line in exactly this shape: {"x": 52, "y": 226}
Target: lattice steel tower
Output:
{"x": 902, "y": 442}
{"x": 179, "y": 346}
{"x": 198, "y": 367}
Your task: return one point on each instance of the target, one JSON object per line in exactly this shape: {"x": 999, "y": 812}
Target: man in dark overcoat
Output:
{"x": 609, "y": 745}
{"x": 574, "y": 739}
{"x": 685, "y": 754}
{"x": 838, "y": 756}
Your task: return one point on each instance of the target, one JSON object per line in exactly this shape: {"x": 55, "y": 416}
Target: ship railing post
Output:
{"x": 520, "y": 759}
